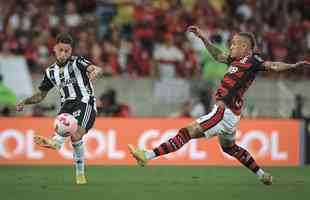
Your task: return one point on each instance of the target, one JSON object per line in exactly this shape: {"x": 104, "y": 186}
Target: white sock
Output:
{"x": 78, "y": 156}
{"x": 260, "y": 173}
{"x": 150, "y": 155}
{"x": 59, "y": 139}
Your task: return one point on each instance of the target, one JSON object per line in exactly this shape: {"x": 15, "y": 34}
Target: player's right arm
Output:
{"x": 45, "y": 86}
{"x": 36, "y": 98}
{"x": 216, "y": 53}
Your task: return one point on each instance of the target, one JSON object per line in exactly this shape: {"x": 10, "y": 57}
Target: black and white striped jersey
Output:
{"x": 70, "y": 80}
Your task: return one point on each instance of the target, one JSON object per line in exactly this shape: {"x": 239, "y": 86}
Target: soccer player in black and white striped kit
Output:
{"x": 71, "y": 76}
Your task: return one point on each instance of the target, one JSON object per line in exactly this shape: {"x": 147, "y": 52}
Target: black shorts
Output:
{"x": 83, "y": 112}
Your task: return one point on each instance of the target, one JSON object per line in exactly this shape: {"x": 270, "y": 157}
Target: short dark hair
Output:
{"x": 64, "y": 38}
{"x": 216, "y": 38}
{"x": 250, "y": 37}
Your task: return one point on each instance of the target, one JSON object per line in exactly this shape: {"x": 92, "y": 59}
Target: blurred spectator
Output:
{"x": 6, "y": 112}
{"x": 196, "y": 109}
{"x": 167, "y": 57}
{"x": 190, "y": 67}
{"x": 297, "y": 112}
{"x": 110, "y": 57}
{"x": 108, "y": 105}
{"x": 72, "y": 18}
{"x": 138, "y": 60}
{"x": 144, "y": 18}
{"x": 105, "y": 11}
{"x": 203, "y": 105}
{"x": 131, "y": 36}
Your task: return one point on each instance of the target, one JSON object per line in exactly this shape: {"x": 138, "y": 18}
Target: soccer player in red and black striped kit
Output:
{"x": 222, "y": 121}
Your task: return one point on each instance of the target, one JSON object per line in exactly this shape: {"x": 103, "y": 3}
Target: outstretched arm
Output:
{"x": 281, "y": 66}
{"x": 94, "y": 72}
{"x": 217, "y": 54}
{"x": 34, "y": 99}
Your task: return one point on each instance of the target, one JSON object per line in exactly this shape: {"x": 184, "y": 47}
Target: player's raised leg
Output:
{"x": 64, "y": 125}
{"x": 243, "y": 156}
{"x": 173, "y": 144}
{"x": 206, "y": 126}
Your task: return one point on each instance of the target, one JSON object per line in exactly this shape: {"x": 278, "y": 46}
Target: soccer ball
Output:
{"x": 65, "y": 125}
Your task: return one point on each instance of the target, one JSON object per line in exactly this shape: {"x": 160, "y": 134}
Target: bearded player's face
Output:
{"x": 239, "y": 47}
{"x": 62, "y": 51}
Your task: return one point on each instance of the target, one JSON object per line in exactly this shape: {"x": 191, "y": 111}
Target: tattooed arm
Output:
{"x": 217, "y": 54}
{"x": 36, "y": 98}
{"x": 281, "y": 66}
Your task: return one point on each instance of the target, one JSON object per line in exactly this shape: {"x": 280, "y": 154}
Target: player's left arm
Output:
{"x": 93, "y": 71}
{"x": 281, "y": 66}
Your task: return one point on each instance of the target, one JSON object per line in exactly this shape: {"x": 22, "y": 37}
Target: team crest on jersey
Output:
{"x": 76, "y": 113}
{"x": 232, "y": 69}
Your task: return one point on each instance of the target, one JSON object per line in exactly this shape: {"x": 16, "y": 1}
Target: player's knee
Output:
{"x": 78, "y": 134}
{"x": 75, "y": 137}
{"x": 194, "y": 130}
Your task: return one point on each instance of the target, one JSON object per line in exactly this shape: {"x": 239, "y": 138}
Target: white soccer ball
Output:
{"x": 65, "y": 125}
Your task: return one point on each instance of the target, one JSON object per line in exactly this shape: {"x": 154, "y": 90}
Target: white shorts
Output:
{"x": 220, "y": 121}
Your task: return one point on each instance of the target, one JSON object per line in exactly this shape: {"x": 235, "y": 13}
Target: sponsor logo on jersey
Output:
{"x": 68, "y": 82}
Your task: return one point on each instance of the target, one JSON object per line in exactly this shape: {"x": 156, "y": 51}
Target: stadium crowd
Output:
{"x": 148, "y": 38}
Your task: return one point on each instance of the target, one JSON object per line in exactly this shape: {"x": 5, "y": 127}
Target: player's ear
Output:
{"x": 71, "y": 49}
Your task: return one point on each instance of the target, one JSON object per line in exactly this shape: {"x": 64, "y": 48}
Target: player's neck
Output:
{"x": 62, "y": 64}
{"x": 245, "y": 55}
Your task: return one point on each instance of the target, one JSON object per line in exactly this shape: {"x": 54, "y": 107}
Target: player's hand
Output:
{"x": 20, "y": 106}
{"x": 94, "y": 72}
{"x": 93, "y": 75}
{"x": 196, "y": 31}
{"x": 302, "y": 64}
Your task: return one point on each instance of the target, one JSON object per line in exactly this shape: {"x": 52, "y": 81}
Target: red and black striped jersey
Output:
{"x": 240, "y": 75}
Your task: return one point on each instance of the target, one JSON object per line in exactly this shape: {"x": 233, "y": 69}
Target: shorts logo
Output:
{"x": 76, "y": 113}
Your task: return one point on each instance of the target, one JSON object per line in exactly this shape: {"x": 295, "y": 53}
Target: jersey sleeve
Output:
{"x": 46, "y": 84}
{"x": 259, "y": 63}
{"x": 83, "y": 63}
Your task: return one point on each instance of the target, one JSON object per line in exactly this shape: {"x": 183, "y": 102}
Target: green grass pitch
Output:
{"x": 160, "y": 183}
